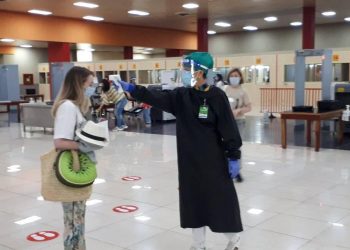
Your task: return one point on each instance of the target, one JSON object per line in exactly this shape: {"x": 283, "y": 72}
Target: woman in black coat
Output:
{"x": 208, "y": 145}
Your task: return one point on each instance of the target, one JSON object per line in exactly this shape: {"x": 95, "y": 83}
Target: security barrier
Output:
{"x": 275, "y": 100}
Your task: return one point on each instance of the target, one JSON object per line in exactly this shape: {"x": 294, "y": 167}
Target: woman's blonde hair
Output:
{"x": 73, "y": 89}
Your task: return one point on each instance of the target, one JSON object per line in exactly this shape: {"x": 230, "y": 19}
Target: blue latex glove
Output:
{"x": 127, "y": 87}
{"x": 233, "y": 168}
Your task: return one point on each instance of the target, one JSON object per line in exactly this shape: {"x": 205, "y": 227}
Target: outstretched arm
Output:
{"x": 164, "y": 100}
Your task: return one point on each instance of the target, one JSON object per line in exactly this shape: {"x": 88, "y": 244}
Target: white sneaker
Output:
{"x": 119, "y": 129}
{"x": 234, "y": 243}
{"x": 125, "y": 126}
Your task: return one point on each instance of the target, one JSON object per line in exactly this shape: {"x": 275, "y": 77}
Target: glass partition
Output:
{"x": 313, "y": 72}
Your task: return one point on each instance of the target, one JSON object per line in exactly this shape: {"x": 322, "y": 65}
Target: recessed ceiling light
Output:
{"x": 211, "y": 32}
{"x": 250, "y": 28}
{"x": 190, "y": 6}
{"x": 89, "y": 49}
{"x": 223, "y": 24}
{"x": 138, "y": 13}
{"x": 94, "y": 18}
{"x": 7, "y": 40}
{"x": 271, "y": 19}
{"x": 296, "y": 23}
{"x": 347, "y": 19}
{"x": 40, "y": 12}
{"x": 86, "y": 5}
{"x": 329, "y": 13}
{"x": 149, "y": 49}
{"x": 26, "y": 46}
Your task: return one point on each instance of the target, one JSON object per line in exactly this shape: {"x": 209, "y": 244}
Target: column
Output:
{"x": 59, "y": 52}
{"x": 309, "y": 27}
{"x": 202, "y": 35}
{"x": 128, "y": 53}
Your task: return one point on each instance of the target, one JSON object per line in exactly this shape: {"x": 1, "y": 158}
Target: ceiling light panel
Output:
{"x": 250, "y": 28}
{"x": 94, "y": 18}
{"x": 211, "y": 32}
{"x": 190, "y": 6}
{"x": 7, "y": 40}
{"x": 296, "y": 24}
{"x": 271, "y": 19}
{"x": 329, "y": 13}
{"x": 223, "y": 24}
{"x": 40, "y": 12}
{"x": 86, "y": 5}
{"x": 138, "y": 13}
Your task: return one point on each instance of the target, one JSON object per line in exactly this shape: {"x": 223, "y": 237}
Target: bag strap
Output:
{"x": 76, "y": 163}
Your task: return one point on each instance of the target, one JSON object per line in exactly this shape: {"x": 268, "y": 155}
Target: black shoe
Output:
{"x": 239, "y": 178}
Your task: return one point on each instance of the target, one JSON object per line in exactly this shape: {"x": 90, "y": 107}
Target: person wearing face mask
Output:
{"x": 219, "y": 81}
{"x": 239, "y": 101}
{"x": 208, "y": 147}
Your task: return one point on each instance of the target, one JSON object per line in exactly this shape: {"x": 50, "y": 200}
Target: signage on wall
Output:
{"x": 157, "y": 66}
{"x": 227, "y": 62}
{"x": 258, "y": 60}
{"x": 120, "y": 66}
{"x": 336, "y": 58}
{"x": 88, "y": 67}
{"x": 134, "y": 66}
{"x": 43, "y": 236}
{"x": 100, "y": 67}
{"x": 124, "y": 209}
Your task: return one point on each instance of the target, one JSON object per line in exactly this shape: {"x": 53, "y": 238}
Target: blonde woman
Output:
{"x": 68, "y": 111}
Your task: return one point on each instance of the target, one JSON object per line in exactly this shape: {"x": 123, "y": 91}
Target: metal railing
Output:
{"x": 275, "y": 100}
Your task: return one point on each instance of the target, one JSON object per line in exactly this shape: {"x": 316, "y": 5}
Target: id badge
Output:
{"x": 203, "y": 112}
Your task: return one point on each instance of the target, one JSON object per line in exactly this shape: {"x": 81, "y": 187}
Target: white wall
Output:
{"x": 327, "y": 36}
{"x": 27, "y": 61}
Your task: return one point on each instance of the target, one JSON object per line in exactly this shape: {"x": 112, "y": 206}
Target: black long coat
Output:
{"x": 207, "y": 193}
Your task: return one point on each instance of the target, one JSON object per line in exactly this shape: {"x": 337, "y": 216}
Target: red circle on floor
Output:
{"x": 43, "y": 236}
{"x": 124, "y": 209}
{"x": 131, "y": 178}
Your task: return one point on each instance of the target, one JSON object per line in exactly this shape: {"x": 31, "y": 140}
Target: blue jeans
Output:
{"x": 147, "y": 116}
{"x": 119, "y": 109}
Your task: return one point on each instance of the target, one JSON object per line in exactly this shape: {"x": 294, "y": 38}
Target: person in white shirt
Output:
{"x": 68, "y": 110}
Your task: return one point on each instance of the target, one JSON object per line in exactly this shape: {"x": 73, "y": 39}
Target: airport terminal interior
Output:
{"x": 275, "y": 74}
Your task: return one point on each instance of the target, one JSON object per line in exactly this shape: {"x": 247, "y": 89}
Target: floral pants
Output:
{"x": 74, "y": 225}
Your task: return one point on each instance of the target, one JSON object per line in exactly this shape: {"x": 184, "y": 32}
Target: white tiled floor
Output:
{"x": 304, "y": 203}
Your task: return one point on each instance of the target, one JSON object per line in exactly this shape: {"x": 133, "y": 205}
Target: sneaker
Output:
{"x": 125, "y": 126}
{"x": 234, "y": 244}
{"x": 119, "y": 128}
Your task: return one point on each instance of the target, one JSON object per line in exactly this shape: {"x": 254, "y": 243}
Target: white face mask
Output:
{"x": 235, "y": 81}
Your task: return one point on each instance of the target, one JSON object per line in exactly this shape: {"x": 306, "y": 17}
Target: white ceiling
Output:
{"x": 238, "y": 12}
